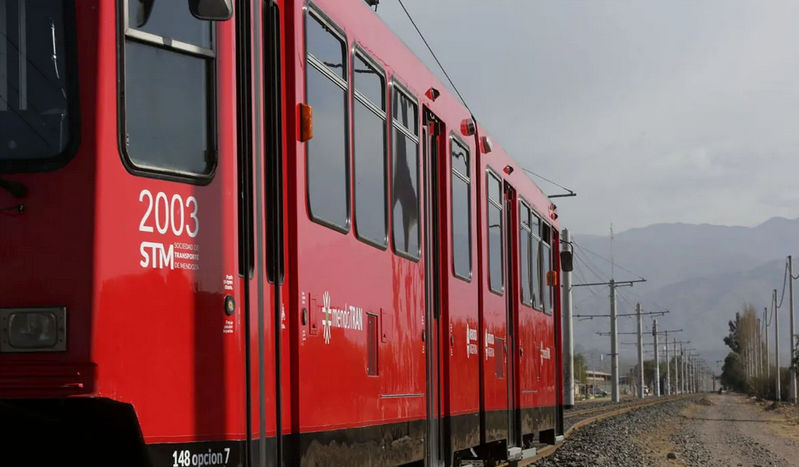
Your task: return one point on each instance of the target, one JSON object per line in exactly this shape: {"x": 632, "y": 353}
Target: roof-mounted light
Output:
{"x": 468, "y": 128}
{"x": 486, "y": 145}
{"x": 432, "y": 94}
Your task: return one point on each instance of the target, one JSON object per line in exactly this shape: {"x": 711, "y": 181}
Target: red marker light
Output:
{"x": 508, "y": 169}
{"x": 432, "y": 94}
{"x": 468, "y": 128}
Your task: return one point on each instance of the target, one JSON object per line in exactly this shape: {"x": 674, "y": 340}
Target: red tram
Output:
{"x": 266, "y": 237}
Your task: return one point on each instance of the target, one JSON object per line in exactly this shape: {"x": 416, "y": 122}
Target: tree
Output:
{"x": 732, "y": 372}
{"x": 731, "y": 340}
{"x": 580, "y": 368}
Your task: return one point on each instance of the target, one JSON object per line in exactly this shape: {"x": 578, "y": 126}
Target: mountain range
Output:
{"x": 701, "y": 273}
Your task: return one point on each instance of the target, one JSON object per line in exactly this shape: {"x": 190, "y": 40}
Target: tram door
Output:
{"x": 432, "y": 144}
{"x": 513, "y": 349}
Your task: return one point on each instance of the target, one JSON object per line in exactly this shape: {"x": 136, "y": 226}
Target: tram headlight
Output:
{"x": 33, "y": 329}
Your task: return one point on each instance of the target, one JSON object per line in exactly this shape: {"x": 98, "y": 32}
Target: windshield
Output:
{"x": 34, "y": 93}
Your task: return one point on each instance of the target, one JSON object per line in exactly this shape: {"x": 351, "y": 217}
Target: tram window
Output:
{"x": 546, "y": 261}
{"x": 495, "y": 261}
{"x": 525, "y": 241}
{"x": 535, "y": 261}
{"x": 37, "y": 84}
{"x": 169, "y": 91}
{"x": 170, "y": 19}
{"x": 405, "y": 176}
{"x": 461, "y": 212}
{"x": 371, "y": 335}
{"x": 327, "y": 166}
{"x": 369, "y": 146}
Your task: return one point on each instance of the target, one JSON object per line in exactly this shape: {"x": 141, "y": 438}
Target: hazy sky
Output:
{"x": 653, "y": 111}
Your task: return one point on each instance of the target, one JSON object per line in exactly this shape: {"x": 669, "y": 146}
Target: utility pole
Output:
{"x": 758, "y": 352}
{"x": 668, "y": 364}
{"x": 568, "y": 334}
{"x": 676, "y": 373}
{"x": 792, "y": 394}
{"x": 682, "y": 369}
{"x": 614, "y": 348}
{"x": 614, "y": 344}
{"x": 657, "y": 360}
{"x": 777, "y": 346}
{"x": 768, "y": 359}
{"x": 640, "y": 352}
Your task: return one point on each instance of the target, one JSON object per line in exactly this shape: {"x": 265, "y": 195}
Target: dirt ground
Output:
{"x": 725, "y": 430}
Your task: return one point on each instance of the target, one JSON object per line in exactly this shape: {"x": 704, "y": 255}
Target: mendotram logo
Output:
{"x": 349, "y": 317}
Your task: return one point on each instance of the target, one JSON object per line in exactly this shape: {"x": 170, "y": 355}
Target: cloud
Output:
{"x": 651, "y": 111}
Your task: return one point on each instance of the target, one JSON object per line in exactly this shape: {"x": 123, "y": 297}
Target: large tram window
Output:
{"x": 38, "y": 96}
{"x": 461, "y": 212}
{"x": 326, "y": 88}
{"x": 536, "y": 278}
{"x": 495, "y": 271}
{"x": 169, "y": 91}
{"x": 525, "y": 240}
{"x": 369, "y": 140}
{"x": 405, "y": 176}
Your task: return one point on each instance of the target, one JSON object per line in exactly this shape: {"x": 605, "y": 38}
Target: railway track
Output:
{"x": 576, "y": 419}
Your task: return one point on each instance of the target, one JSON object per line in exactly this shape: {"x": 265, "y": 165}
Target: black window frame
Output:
{"x": 538, "y": 298}
{"x": 501, "y": 205}
{"x": 396, "y": 85}
{"x": 344, "y": 84}
{"x": 72, "y": 81}
{"x": 525, "y": 207}
{"x": 453, "y": 140}
{"x": 125, "y": 32}
{"x": 546, "y": 245}
{"x": 360, "y": 53}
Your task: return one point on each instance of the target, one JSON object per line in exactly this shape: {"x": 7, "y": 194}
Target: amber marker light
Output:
{"x": 306, "y": 122}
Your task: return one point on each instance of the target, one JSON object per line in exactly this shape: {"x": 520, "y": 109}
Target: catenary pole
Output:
{"x": 792, "y": 355}
{"x": 776, "y": 347}
{"x": 568, "y": 330}
{"x": 682, "y": 368}
{"x": 676, "y": 373}
{"x": 768, "y": 349}
{"x": 640, "y": 352}
{"x": 668, "y": 365}
{"x": 614, "y": 344}
{"x": 657, "y": 360}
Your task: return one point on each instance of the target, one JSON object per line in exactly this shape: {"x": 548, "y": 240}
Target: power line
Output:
{"x": 605, "y": 259}
{"x": 463, "y": 101}
{"x": 454, "y": 88}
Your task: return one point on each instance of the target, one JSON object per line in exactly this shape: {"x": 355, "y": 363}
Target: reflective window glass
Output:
{"x": 546, "y": 292}
{"x": 405, "y": 191}
{"x": 404, "y": 112}
{"x": 34, "y": 81}
{"x": 325, "y": 46}
{"x": 166, "y": 112}
{"x": 461, "y": 212}
{"x": 525, "y": 240}
{"x": 369, "y": 132}
{"x": 369, "y": 82}
{"x": 169, "y": 93}
{"x": 170, "y": 19}
{"x": 495, "y": 239}
{"x": 327, "y": 150}
{"x": 535, "y": 262}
